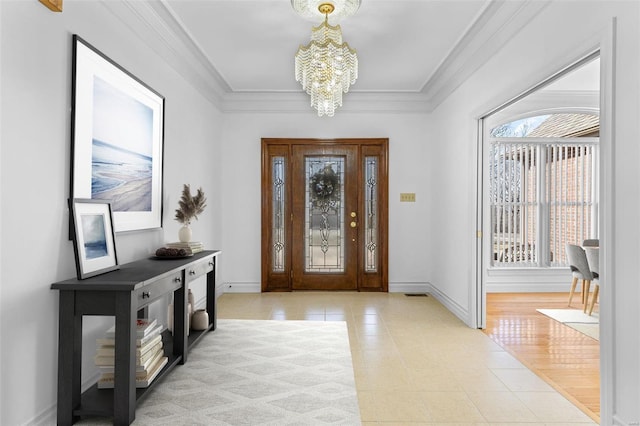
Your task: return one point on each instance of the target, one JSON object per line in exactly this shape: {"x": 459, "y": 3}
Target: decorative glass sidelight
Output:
{"x": 278, "y": 225}
{"x": 371, "y": 214}
{"x": 324, "y": 211}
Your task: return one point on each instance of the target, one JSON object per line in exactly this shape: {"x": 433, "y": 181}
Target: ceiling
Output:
{"x": 411, "y": 52}
{"x": 252, "y": 43}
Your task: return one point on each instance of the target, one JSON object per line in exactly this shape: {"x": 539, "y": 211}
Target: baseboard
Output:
{"x": 527, "y": 287}
{"x": 393, "y": 287}
{"x": 617, "y": 421}
{"x": 45, "y": 418}
{"x": 241, "y": 288}
{"x": 451, "y": 305}
{"x": 415, "y": 288}
{"x": 49, "y": 415}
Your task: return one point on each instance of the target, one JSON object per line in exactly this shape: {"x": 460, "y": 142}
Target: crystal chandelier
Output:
{"x": 326, "y": 67}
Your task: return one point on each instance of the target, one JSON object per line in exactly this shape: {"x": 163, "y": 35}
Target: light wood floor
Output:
{"x": 565, "y": 358}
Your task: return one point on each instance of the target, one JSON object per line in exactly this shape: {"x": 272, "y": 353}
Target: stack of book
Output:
{"x": 149, "y": 354}
{"x": 191, "y": 247}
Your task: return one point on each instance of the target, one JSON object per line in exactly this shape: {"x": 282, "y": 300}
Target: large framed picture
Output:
{"x": 117, "y": 140}
{"x": 93, "y": 237}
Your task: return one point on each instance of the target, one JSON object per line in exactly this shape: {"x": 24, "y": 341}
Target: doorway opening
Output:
{"x": 539, "y": 191}
{"x": 324, "y": 214}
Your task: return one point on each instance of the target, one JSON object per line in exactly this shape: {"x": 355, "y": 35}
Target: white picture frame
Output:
{"x": 93, "y": 237}
{"x": 117, "y": 140}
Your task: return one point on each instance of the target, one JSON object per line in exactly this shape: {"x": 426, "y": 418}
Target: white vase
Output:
{"x": 200, "y": 320}
{"x": 170, "y": 317}
{"x": 184, "y": 234}
{"x": 191, "y": 298}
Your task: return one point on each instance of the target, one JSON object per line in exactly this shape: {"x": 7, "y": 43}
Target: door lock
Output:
{"x": 354, "y": 224}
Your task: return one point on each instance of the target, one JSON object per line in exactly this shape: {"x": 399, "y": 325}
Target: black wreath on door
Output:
{"x": 325, "y": 184}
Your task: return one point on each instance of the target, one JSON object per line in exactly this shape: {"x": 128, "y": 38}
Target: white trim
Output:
{"x": 45, "y": 418}
{"x": 527, "y": 280}
{"x": 547, "y": 102}
{"x": 157, "y": 24}
{"x": 617, "y": 421}
{"x": 413, "y": 288}
{"x": 298, "y": 102}
{"x": 527, "y": 287}
{"x": 495, "y": 25}
{"x": 478, "y": 292}
{"x": 232, "y": 287}
{"x": 398, "y": 287}
{"x": 604, "y": 43}
{"x": 607, "y": 222}
{"x": 463, "y": 314}
{"x": 48, "y": 416}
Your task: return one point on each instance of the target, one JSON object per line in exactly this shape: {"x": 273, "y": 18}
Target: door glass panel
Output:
{"x": 324, "y": 214}
{"x": 371, "y": 214}
{"x": 278, "y": 228}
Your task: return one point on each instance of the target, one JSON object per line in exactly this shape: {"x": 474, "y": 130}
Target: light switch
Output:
{"x": 407, "y": 197}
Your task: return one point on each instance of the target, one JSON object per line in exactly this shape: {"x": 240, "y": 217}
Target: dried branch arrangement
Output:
{"x": 190, "y": 206}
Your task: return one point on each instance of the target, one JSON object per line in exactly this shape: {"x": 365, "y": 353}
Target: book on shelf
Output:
{"x": 142, "y": 380}
{"x": 140, "y": 360}
{"x": 109, "y": 369}
{"x": 191, "y": 247}
{"x": 140, "y": 341}
{"x": 110, "y": 350}
{"x": 144, "y": 326}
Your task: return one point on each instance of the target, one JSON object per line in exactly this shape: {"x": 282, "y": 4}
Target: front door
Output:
{"x": 324, "y": 214}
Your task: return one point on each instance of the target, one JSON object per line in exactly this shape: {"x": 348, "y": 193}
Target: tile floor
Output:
{"x": 416, "y": 363}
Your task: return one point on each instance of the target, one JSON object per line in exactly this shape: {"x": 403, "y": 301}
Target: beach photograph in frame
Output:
{"x": 93, "y": 237}
{"x": 117, "y": 140}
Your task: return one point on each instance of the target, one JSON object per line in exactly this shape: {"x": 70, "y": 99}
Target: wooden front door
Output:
{"x": 324, "y": 214}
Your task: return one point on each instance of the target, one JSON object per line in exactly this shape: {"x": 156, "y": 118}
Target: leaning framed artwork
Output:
{"x": 93, "y": 237}
{"x": 117, "y": 140}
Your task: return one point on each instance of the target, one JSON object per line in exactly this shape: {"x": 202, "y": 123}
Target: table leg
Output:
{"x": 211, "y": 294}
{"x": 69, "y": 358}
{"x": 180, "y": 339}
{"x": 124, "y": 391}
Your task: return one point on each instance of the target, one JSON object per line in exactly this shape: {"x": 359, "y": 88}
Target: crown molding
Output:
{"x": 157, "y": 26}
{"x": 495, "y": 24}
{"x": 298, "y": 102}
{"x": 549, "y": 102}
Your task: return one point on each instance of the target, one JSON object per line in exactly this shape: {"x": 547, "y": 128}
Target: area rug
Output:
{"x": 576, "y": 319}
{"x": 251, "y": 372}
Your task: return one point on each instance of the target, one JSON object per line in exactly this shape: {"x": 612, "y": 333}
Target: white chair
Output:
{"x": 580, "y": 271}
{"x": 593, "y": 258}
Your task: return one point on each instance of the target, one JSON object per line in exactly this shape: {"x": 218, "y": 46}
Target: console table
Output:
{"x": 126, "y": 294}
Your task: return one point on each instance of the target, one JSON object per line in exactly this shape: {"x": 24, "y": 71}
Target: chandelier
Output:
{"x": 326, "y": 67}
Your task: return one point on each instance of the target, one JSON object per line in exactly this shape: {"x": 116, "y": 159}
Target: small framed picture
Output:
{"x": 93, "y": 237}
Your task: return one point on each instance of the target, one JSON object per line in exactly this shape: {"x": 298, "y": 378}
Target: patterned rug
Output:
{"x": 251, "y": 372}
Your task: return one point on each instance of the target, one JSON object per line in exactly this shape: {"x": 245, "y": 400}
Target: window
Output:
{"x": 542, "y": 188}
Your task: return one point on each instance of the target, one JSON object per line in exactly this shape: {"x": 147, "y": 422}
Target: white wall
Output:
{"x": 562, "y": 32}
{"x": 434, "y": 156}
{"x": 35, "y": 77}
{"x": 408, "y": 146}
